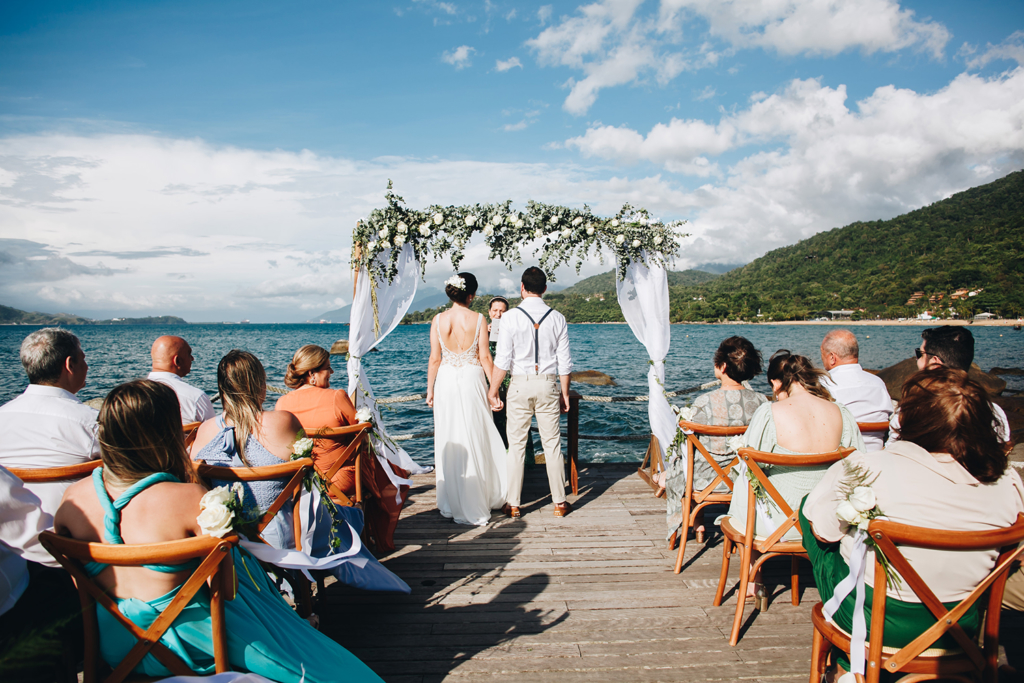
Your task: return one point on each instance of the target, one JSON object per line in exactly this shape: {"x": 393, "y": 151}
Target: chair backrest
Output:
{"x": 888, "y": 536}
{"x": 45, "y": 475}
{"x": 693, "y": 444}
{"x": 191, "y": 431}
{"x": 873, "y": 427}
{"x": 755, "y": 458}
{"x": 294, "y": 470}
{"x": 357, "y": 437}
{"x": 216, "y": 567}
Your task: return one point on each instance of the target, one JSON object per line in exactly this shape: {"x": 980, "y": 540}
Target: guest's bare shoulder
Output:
{"x": 204, "y": 435}
{"x": 280, "y": 424}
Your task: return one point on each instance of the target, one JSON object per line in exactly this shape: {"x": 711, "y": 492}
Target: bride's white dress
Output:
{"x": 469, "y": 456}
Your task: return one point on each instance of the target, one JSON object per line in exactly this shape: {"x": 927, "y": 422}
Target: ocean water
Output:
{"x": 118, "y": 354}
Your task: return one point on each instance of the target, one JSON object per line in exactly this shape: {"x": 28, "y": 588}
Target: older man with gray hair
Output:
{"x": 864, "y": 394}
{"x": 47, "y": 426}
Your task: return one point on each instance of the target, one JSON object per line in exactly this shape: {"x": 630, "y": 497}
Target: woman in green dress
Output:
{"x": 147, "y": 492}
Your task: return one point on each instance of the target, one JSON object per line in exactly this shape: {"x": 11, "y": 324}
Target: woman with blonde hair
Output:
{"x": 248, "y": 436}
{"x": 146, "y": 492}
{"x": 316, "y": 406}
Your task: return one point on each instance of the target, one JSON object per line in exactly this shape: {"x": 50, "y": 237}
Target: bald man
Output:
{"x": 861, "y": 392}
{"x": 172, "y": 360}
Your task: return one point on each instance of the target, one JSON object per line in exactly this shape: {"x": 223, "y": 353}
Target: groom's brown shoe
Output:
{"x": 510, "y": 510}
{"x": 562, "y": 509}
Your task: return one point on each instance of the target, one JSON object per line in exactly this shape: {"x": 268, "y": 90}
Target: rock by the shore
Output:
{"x": 96, "y": 403}
{"x": 339, "y": 348}
{"x": 895, "y": 376}
{"x": 1013, "y": 372}
{"x": 593, "y": 377}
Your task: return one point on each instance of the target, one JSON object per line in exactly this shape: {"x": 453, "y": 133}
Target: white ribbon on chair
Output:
{"x": 643, "y": 298}
{"x": 290, "y": 558}
{"x": 377, "y": 309}
{"x": 855, "y": 579}
{"x": 759, "y": 505}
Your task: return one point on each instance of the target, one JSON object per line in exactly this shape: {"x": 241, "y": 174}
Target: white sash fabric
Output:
{"x": 762, "y": 510}
{"x": 289, "y": 558}
{"x": 855, "y": 579}
{"x": 366, "y": 331}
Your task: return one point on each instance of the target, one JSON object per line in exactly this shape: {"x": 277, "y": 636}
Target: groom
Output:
{"x": 533, "y": 344}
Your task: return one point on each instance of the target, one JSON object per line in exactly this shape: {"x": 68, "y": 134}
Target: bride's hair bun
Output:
{"x": 461, "y": 294}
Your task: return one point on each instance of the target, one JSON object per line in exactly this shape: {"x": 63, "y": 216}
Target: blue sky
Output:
{"x": 208, "y": 160}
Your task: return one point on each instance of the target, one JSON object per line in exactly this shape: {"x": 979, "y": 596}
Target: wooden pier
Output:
{"x": 589, "y": 597}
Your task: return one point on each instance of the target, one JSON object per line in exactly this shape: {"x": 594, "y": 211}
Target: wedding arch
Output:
{"x": 390, "y": 249}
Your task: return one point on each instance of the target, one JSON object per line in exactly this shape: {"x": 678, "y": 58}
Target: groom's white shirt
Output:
{"x": 515, "y": 341}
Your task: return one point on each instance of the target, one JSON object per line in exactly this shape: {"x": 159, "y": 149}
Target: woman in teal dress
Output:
{"x": 146, "y": 492}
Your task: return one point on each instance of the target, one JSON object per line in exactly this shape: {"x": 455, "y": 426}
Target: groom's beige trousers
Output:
{"x": 530, "y": 395}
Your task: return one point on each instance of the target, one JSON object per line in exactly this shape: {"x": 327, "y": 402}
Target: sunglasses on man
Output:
{"x": 918, "y": 353}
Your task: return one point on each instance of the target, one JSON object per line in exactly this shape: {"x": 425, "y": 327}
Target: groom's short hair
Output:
{"x": 535, "y": 281}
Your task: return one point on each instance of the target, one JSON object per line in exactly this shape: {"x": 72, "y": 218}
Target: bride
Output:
{"x": 469, "y": 456}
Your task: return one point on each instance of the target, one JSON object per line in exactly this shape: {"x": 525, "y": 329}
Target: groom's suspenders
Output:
{"x": 536, "y": 336}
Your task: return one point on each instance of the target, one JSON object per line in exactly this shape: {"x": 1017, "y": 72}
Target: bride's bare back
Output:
{"x": 457, "y": 328}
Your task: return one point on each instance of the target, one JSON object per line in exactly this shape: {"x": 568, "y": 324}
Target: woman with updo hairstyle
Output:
{"x": 733, "y": 405}
{"x": 469, "y": 455}
{"x": 147, "y": 492}
{"x": 466, "y": 292}
{"x": 947, "y": 471}
{"x": 317, "y": 406}
{"x": 803, "y": 420}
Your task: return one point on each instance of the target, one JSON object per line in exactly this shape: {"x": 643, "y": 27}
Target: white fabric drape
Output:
{"x": 393, "y": 300}
{"x": 643, "y": 297}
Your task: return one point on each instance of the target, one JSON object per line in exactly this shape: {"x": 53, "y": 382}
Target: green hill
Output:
{"x": 14, "y": 316}
{"x": 972, "y": 241}
{"x": 605, "y": 282}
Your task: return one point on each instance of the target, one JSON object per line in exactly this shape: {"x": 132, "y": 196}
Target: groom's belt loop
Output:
{"x": 536, "y": 336}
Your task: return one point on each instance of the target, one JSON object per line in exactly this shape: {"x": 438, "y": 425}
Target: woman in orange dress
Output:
{"x": 317, "y": 406}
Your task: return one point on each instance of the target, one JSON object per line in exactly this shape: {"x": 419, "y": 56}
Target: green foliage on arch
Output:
{"x": 561, "y": 235}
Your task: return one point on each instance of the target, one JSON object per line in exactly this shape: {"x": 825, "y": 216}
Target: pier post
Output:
{"x": 573, "y": 429}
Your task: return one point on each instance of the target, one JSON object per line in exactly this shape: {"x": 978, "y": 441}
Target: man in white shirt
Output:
{"x": 533, "y": 345}
{"x": 47, "y": 426}
{"x": 172, "y": 360}
{"x": 950, "y": 346}
{"x": 864, "y": 394}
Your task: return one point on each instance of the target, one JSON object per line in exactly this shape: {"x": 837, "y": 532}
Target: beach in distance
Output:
{"x": 120, "y": 353}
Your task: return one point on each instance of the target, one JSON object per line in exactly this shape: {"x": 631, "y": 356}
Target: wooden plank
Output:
{"x": 588, "y": 597}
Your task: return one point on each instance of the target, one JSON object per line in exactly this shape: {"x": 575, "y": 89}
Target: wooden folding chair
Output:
{"x": 694, "y": 504}
{"x": 48, "y": 475}
{"x": 773, "y": 546}
{"x": 217, "y": 568}
{"x": 868, "y": 427}
{"x": 191, "y": 430}
{"x": 918, "y": 658}
{"x": 290, "y": 494}
{"x": 355, "y": 451}
{"x": 652, "y": 467}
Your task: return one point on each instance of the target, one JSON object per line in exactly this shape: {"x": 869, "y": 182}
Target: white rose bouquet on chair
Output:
{"x": 220, "y": 510}
{"x": 857, "y": 507}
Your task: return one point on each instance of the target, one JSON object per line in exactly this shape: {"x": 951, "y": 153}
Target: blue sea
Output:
{"x": 118, "y": 354}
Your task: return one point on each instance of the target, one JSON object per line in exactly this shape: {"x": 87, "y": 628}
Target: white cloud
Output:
{"x": 706, "y": 94}
{"x": 510, "y": 63}
{"x": 510, "y": 127}
{"x": 211, "y": 232}
{"x": 811, "y": 162}
{"x": 822, "y": 27}
{"x": 615, "y": 42}
{"x": 1011, "y": 49}
{"x": 459, "y": 57}
{"x": 544, "y": 14}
